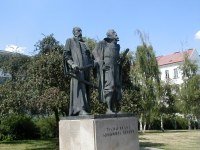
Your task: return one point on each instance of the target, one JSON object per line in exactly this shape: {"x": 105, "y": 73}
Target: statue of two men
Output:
{"x": 106, "y": 56}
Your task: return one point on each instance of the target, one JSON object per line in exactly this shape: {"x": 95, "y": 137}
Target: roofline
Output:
{"x": 170, "y": 63}
{"x": 181, "y": 52}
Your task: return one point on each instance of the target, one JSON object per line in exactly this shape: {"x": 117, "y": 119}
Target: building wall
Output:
{"x": 170, "y": 68}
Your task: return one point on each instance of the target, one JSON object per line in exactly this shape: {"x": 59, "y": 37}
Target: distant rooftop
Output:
{"x": 173, "y": 58}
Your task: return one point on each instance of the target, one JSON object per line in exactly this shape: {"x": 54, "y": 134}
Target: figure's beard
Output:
{"x": 79, "y": 37}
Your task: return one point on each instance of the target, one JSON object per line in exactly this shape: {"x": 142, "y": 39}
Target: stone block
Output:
{"x": 103, "y": 132}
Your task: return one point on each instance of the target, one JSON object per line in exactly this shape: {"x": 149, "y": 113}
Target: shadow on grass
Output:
{"x": 160, "y": 131}
{"x": 29, "y": 141}
{"x": 150, "y": 144}
{"x": 49, "y": 144}
{"x": 45, "y": 148}
{"x": 176, "y": 131}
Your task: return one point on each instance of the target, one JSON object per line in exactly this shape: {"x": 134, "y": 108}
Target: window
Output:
{"x": 166, "y": 74}
{"x": 175, "y": 73}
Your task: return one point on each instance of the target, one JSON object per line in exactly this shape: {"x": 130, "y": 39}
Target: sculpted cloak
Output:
{"x": 109, "y": 72}
{"x": 76, "y": 52}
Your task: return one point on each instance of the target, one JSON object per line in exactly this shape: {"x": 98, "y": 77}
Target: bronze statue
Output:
{"x": 77, "y": 61}
{"x": 106, "y": 54}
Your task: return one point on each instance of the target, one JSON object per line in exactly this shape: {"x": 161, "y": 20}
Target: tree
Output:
{"x": 47, "y": 87}
{"x": 12, "y": 98}
{"x": 15, "y": 64}
{"x": 47, "y": 45}
{"x": 168, "y": 102}
{"x": 145, "y": 75}
{"x": 190, "y": 90}
{"x": 130, "y": 91}
{"x": 189, "y": 68}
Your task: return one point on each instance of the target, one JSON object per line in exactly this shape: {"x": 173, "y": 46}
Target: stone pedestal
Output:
{"x": 104, "y": 132}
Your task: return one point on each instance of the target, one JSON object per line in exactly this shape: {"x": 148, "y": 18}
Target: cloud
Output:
{"x": 15, "y": 48}
{"x": 197, "y": 35}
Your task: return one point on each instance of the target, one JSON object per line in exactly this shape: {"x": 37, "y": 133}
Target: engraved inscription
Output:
{"x": 118, "y": 130}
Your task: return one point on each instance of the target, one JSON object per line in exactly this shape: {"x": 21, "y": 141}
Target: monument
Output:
{"x": 81, "y": 130}
{"x": 106, "y": 53}
{"x": 76, "y": 58}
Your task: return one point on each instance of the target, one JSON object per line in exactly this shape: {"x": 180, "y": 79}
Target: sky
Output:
{"x": 171, "y": 25}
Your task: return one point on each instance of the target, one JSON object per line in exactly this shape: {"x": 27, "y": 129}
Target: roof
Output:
{"x": 173, "y": 58}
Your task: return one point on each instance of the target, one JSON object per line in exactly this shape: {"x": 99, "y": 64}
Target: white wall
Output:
{"x": 171, "y": 68}
{"x": 194, "y": 57}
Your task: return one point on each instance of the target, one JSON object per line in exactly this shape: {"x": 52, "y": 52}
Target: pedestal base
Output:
{"x": 105, "y": 132}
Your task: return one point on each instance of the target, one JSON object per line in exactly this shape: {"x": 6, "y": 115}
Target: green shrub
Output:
{"x": 168, "y": 123}
{"x": 181, "y": 123}
{"x": 194, "y": 124}
{"x": 155, "y": 125}
{"x": 18, "y": 127}
{"x": 47, "y": 126}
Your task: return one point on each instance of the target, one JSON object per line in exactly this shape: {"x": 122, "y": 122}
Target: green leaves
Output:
{"x": 190, "y": 89}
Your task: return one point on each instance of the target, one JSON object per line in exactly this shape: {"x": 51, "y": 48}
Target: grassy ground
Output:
{"x": 171, "y": 140}
{"x": 29, "y": 145}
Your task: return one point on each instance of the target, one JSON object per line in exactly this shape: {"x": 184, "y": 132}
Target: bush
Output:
{"x": 181, "y": 123}
{"x": 170, "y": 123}
{"x": 47, "y": 126}
{"x": 194, "y": 124}
{"x": 155, "y": 125}
{"x": 18, "y": 127}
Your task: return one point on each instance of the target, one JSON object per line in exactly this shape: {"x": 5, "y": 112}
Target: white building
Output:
{"x": 169, "y": 65}
{"x": 3, "y": 75}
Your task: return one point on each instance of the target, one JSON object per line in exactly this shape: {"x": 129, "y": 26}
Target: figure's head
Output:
{"x": 77, "y": 32}
{"x": 111, "y": 34}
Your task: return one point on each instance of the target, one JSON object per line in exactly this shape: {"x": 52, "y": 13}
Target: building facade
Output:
{"x": 169, "y": 65}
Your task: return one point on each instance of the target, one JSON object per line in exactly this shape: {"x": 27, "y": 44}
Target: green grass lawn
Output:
{"x": 171, "y": 140}
{"x": 30, "y": 145}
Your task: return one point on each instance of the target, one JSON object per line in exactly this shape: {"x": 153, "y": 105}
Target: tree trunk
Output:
{"x": 144, "y": 127}
{"x": 161, "y": 123}
{"x": 189, "y": 124}
{"x": 175, "y": 124}
{"x": 140, "y": 121}
{"x": 57, "y": 121}
{"x": 198, "y": 123}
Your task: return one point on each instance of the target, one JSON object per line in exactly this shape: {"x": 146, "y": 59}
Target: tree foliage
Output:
{"x": 190, "y": 90}
{"x": 145, "y": 75}
{"x": 11, "y": 92}
{"x": 130, "y": 91}
{"x": 46, "y": 78}
{"x": 189, "y": 68}
{"x": 16, "y": 65}
{"x": 47, "y": 45}
{"x": 190, "y": 95}
{"x": 169, "y": 98}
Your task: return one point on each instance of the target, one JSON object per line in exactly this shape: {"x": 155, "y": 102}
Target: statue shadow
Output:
{"x": 148, "y": 145}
